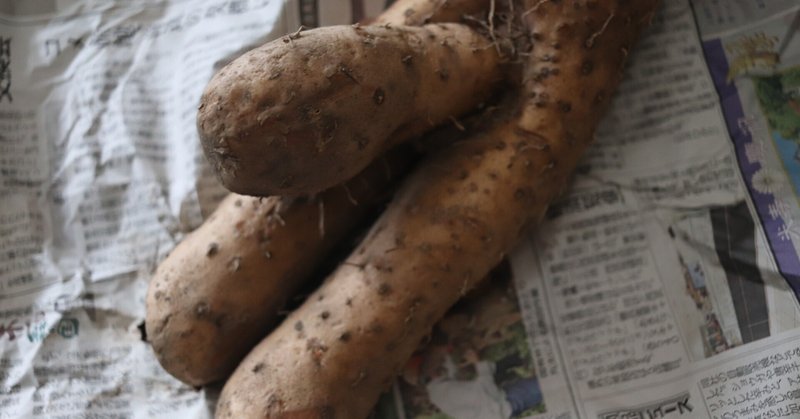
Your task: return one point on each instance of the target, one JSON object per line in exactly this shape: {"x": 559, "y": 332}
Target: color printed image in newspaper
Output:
{"x": 723, "y": 303}
{"x": 756, "y": 70}
{"x": 477, "y": 362}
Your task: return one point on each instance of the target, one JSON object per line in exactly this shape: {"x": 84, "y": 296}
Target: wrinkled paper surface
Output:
{"x": 663, "y": 284}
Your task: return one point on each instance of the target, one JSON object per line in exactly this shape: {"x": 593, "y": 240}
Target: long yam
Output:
{"x": 301, "y": 116}
{"x": 454, "y": 219}
{"x": 222, "y": 288}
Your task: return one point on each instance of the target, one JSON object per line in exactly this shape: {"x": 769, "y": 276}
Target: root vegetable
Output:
{"x": 454, "y": 219}
{"x": 221, "y": 289}
{"x": 305, "y": 113}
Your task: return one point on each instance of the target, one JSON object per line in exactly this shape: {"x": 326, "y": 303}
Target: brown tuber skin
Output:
{"x": 302, "y": 114}
{"x": 420, "y": 12}
{"x": 221, "y": 289}
{"x": 454, "y": 219}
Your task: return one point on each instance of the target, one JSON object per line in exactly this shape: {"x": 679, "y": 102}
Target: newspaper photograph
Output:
{"x": 663, "y": 283}
{"x": 477, "y": 362}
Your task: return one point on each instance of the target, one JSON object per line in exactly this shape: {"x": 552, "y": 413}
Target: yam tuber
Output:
{"x": 221, "y": 289}
{"x": 302, "y": 114}
{"x": 454, "y": 219}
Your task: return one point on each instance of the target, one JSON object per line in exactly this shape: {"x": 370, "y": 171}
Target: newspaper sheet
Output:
{"x": 663, "y": 284}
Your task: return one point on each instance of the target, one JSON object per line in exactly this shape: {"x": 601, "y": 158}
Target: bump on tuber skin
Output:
{"x": 454, "y": 219}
